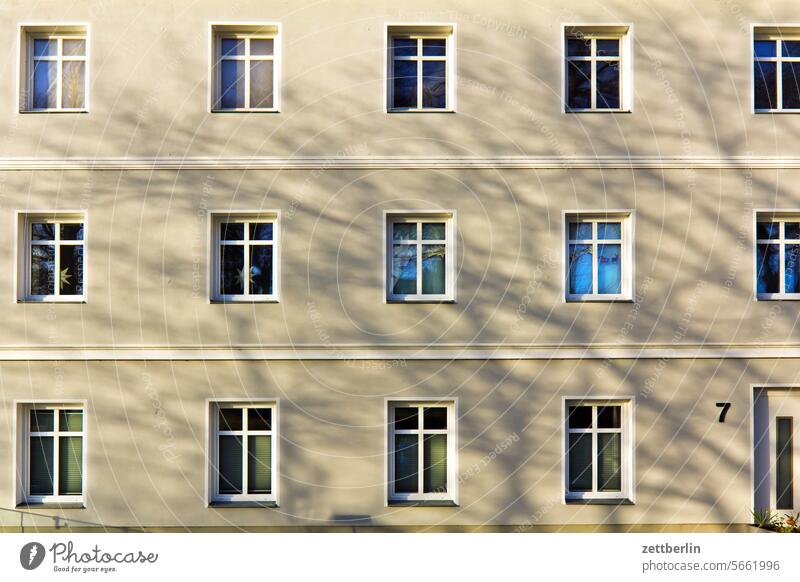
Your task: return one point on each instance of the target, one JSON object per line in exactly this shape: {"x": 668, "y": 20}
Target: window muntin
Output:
{"x": 56, "y": 72}
{"x": 776, "y": 73}
{"x": 421, "y": 451}
{"x": 597, "y": 450}
{"x": 54, "y": 453}
{"x": 595, "y": 72}
{"x": 420, "y": 76}
{"x": 246, "y": 71}
{"x": 597, "y": 257}
{"x": 245, "y": 258}
{"x": 244, "y": 452}
{"x": 778, "y": 257}
{"x": 54, "y": 258}
{"x": 420, "y": 252}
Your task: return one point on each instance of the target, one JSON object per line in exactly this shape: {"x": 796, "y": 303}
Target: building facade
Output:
{"x": 352, "y": 264}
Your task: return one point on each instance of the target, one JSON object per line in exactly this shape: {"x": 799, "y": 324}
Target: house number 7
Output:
{"x": 725, "y": 406}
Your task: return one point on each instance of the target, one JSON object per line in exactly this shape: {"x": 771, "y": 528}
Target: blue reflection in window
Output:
{"x": 580, "y": 269}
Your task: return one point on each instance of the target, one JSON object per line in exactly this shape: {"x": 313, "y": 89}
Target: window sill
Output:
{"x": 245, "y": 301}
{"x": 50, "y": 300}
{"x": 52, "y": 505}
{"x": 778, "y": 297}
{"x": 243, "y": 504}
{"x": 272, "y": 110}
{"x": 422, "y": 503}
{"x": 781, "y": 111}
{"x": 568, "y": 111}
{"x": 27, "y": 111}
{"x": 599, "y": 299}
{"x": 391, "y": 111}
{"x": 599, "y": 501}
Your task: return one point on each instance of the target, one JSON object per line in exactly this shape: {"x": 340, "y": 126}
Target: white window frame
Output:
{"x": 626, "y": 217}
{"x": 451, "y": 496}
{"x": 23, "y": 271}
{"x": 391, "y": 217}
{"x": 218, "y": 217}
{"x": 22, "y": 451}
{"x": 627, "y": 440}
{"x": 778, "y": 33}
{"x": 781, "y": 216}
{"x": 247, "y": 31}
{"x": 420, "y": 31}
{"x": 213, "y": 496}
{"x": 27, "y": 33}
{"x": 601, "y": 31}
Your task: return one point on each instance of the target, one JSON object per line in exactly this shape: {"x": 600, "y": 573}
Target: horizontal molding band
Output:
{"x": 392, "y": 162}
{"x": 352, "y": 353}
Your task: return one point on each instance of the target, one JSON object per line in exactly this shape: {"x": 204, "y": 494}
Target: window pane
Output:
{"x": 764, "y": 48}
{"x": 42, "y": 270}
{"x": 230, "y": 419}
{"x": 71, "y": 275}
{"x": 261, "y": 269}
{"x": 433, "y": 231}
{"x": 609, "y": 269}
{"x": 406, "y": 465}
{"x": 260, "y": 231}
{"x": 230, "y": 464}
{"x": 434, "y": 475}
{"x": 434, "y": 47}
{"x": 608, "y": 47}
{"x": 434, "y": 84}
{"x": 764, "y": 77}
{"x": 433, "y": 269}
{"x": 790, "y": 48}
{"x": 580, "y": 269}
{"x": 73, "y": 84}
{"x": 768, "y": 268}
{"x": 70, "y": 465}
{"x": 404, "y": 230}
{"x": 44, "y": 84}
{"x": 259, "y": 418}
{"x": 261, "y": 84}
{"x": 233, "y": 46}
{"x": 231, "y": 231}
{"x": 70, "y": 420}
{"x": 406, "y": 418}
{"x": 404, "y": 269}
{"x": 259, "y": 464}
{"x": 43, "y": 47}
{"x": 404, "y": 47}
{"x": 232, "y": 89}
{"x": 580, "y": 230}
{"x": 43, "y": 231}
{"x": 405, "y": 84}
{"x": 609, "y": 230}
{"x": 74, "y": 47}
{"x": 607, "y": 85}
{"x": 232, "y": 269}
{"x": 791, "y": 230}
{"x": 791, "y": 274}
{"x": 768, "y": 230}
{"x": 791, "y": 85}
{"x": 609, "y": 417}
{"x": 579, "y": 47}
{"x": 71, "y": 231}
{"x": 784, "y": 450}
{"x": 579, "y": 85}
{"x": 580, "y": 462}
{"x": 609, "y": 476}
{"x": 580, "y": 417}
{"x": 261, "y": 46}
{"x": 41, "y": 466}
{"x": 435, "y": 418}
{"x": 41, "y": 420}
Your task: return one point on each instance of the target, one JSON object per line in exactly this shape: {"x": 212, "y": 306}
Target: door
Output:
{"x": 776, "y": 434}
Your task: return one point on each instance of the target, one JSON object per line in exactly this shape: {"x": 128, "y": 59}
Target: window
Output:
{"x": 244, "y": 452}
{"x": 599, "y": 257}
{"x": 420, "y": 68}
{"x": 53, "y": 457}
{"x": 776, "y": 69}
{"x": 778, "y": 256}
{"x": 422, "y": 451}
{"x": 55, "y": 68}
{"x": 598, "y": 71}
{"x": 246, "y": 68}
{"x": 54, "y": 258}
{"x": 598, "y": 450}
{"x": 246, "y": 259}
{"x": 421, "y": 257}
